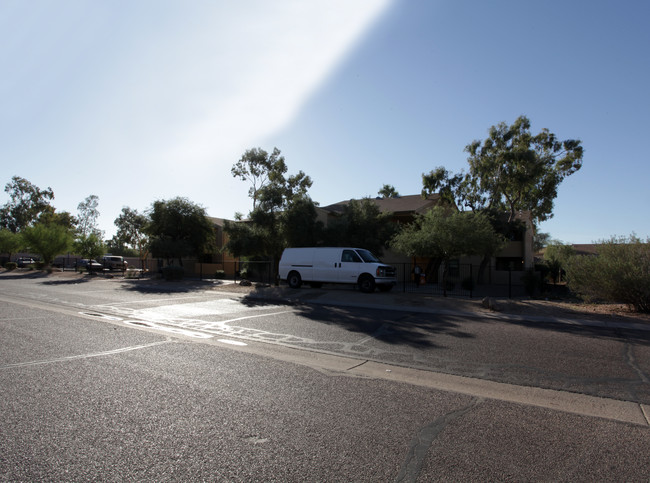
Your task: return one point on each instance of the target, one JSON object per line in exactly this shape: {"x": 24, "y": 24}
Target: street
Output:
{"x": 112, "y": 381}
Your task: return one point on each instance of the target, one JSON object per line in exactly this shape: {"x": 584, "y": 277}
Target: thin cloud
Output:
{"x": 152, "y": 88}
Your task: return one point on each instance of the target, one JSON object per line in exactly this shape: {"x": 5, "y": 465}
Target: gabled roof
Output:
{"x": 409, "y": 204}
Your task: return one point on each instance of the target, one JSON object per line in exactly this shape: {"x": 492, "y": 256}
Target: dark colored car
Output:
{"x": 90, "y": 265}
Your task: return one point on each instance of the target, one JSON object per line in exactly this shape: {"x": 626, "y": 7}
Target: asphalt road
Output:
{"x": 103, "y": 383}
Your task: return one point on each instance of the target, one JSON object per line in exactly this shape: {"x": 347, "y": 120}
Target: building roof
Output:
{"x": 400, "y": 205}
{"x": 586, "y": 248}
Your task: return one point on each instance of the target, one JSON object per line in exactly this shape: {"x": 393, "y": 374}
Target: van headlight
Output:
{"x": 381, "y": 271}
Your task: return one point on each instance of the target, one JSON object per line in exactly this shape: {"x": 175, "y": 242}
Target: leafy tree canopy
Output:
{"x": 446, "y": 234}
{"x": 10, "y": 242}
{"x": 179, "y": 228}
{"x": 89, "y": 246}
{"x": 131, "y": 231}
{"x": 87, "y": 217}
{"x": 363, "y": 225}
{"x": 48, "y": 240}
{"x": 266, "y": 173}
{"x": 282, "y": 211}
{"x": 388, "y": 191}
{"x": 25, "y": 205}
{"x": 63, "y": 218}
{"x": 541, "y": 240}
{"x": 512, "y": 170}
{"x": 556, "y": 257}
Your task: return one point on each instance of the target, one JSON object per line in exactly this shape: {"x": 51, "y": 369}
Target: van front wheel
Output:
{"x": 294, "y": 280}
{"x": 366, "y": 284}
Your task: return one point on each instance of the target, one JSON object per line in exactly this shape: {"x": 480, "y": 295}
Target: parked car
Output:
{"x": 90, "y": 265}
{"x": 25, "y": 261}
{"x": 317, "y": 265}
{"x": 114, "y": 262}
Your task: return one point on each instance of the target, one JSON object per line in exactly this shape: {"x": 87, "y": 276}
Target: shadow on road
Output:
{"x": 162, "y": 286}
{"x": 388, "y": 326}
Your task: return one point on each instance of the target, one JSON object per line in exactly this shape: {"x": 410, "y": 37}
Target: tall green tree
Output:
{"x": 363, "y": 225}
{"x": 131, "y": 231}
{"x": 89, "y": 246}
{"x": 48, "y": 240}
{"x": 259, "y": 168}
{"x": 26, "y": 203}
{"x": 87, "y": 217}
{"x": 10, "y": 242}
{"x": 63, "y": 218}
{"x": 300, "y": 224}
{"x": 512, "y": 170}
{"x": 278, "y": 201}
{"x": 448, "y": 234}
{"x": 541, "y": 240}
{"x": 180, "y": 228}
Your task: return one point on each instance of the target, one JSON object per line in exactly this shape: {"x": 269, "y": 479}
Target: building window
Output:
{"x": 510, "y": 263}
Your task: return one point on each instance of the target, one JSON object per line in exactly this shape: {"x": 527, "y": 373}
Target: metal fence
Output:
{"x": 453, "y": 279}
{"x": 459, "y": 280}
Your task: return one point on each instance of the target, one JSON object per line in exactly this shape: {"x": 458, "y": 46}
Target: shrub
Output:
{"x": 172, "y": 273}
{"x": 220, "y": 274}
{"x": 11, "y": 265}
{"x": 619, "y": 273}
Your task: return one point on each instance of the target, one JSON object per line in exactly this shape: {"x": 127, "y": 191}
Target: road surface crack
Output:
{"x": 425, "y": 438}
{"x": 631, "y": 361}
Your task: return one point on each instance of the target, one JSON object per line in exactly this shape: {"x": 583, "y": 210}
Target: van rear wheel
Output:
{"x": 294, "y": 280}
{"x": 366, "y": 284}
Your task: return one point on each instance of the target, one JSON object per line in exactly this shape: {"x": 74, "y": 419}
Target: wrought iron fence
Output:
{"x": 459, "y": 280}
{"x": 452, "y": 279}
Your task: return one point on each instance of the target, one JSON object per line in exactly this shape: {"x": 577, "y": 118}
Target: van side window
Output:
{"x": 350, "y": 256}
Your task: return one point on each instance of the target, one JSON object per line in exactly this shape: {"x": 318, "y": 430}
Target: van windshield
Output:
{"x": 367, "y": 256}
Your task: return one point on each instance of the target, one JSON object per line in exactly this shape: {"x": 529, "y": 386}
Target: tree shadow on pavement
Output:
{"x": 387, "y": 326}
{"x": 622, "y": 334}
{"x": 145, "y": 286}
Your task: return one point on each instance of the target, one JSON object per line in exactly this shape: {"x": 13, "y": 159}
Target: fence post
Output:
{"x": 471, "y": 281}
{"x": 509, "y": 281}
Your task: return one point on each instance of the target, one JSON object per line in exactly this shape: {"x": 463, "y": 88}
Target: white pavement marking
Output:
{"x": 173, "y": 330}
{"x": 232, "y": 342}
{"x": 115, "y": 304}
{"x": 83, "y": 356}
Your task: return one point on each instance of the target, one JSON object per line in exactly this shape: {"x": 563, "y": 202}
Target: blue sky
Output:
{"x": 138, "y": 101}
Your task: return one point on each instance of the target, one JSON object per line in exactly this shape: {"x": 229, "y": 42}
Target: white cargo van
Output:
{"x": 318, "y": 265}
